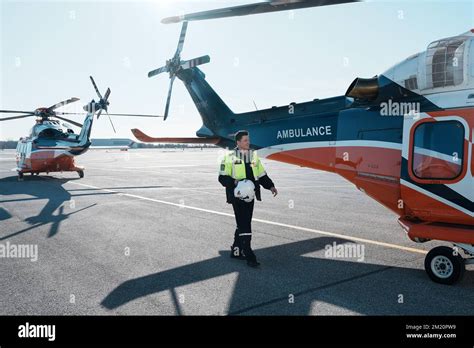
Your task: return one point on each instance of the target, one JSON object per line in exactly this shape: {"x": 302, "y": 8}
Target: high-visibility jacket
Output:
{"x": 232, "y": 168}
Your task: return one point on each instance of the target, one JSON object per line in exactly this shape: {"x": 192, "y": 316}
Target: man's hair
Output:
{"x": 240, "y": 134}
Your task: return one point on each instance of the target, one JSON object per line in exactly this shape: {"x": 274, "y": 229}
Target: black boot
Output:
{"x": 236, "y": 250}
{"x": 248, "y": 252}
{"x": 252, "y": 260}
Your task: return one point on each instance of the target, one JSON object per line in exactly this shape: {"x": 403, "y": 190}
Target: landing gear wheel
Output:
{"x": 81, "y": 173}
{"x": 444, "y": 265}
{"x": 20, "y": 176}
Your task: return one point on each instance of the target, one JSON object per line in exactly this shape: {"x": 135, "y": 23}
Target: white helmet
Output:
{"x": 245, "y": 190}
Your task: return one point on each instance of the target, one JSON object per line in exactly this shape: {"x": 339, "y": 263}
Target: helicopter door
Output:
{"x": 20, "y": 154}
{"x": 436, "y": 162}
{"x": 28, "y": 151}
{"x": 23, "y": 150}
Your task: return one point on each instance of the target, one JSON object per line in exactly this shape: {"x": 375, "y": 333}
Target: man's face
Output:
{"x": 244, "y": 143}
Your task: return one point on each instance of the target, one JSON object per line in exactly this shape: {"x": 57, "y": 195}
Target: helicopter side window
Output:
{"x": 444, "y": 63}
{"x": 438, "y": 150}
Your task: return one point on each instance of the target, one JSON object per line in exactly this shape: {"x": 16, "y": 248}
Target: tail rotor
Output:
{"x": 175, "y": 65}
{"x": 101, "y": 105}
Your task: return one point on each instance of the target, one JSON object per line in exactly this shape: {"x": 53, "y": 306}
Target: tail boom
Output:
{"x": 147, "y": 139}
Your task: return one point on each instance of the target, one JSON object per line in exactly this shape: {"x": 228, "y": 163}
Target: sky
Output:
{"x": 48, "y": 49}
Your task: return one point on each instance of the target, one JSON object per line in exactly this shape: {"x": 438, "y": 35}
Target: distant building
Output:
{"x": 9, "y": 144}
{"x": 113, "y": 142}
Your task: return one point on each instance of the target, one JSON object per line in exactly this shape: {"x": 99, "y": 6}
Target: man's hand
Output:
{"x": 274, "y": 191}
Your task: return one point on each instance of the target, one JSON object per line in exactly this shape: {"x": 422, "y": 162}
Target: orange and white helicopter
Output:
{"x": 49, "y": 147}
{"x": 404, "y": 137}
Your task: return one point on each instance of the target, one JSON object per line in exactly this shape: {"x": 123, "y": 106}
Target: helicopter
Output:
{"x": 404, "y": 137}
{"x": 52, "y": 148}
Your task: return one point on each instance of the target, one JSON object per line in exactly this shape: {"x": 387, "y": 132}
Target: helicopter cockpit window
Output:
{"x": 438, "y": 150}
{"x": 51, "y": 133}
{"x": 444, "y": 62}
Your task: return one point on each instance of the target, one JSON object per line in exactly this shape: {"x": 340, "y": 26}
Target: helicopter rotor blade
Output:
{"x": 168, "y": 99}
{"x": 69, "y": 113}
{"x": 255, "y": 8}
{"x": 65, "y": 102}
{"x": 112, "y": 114}
{"x": 158, "y": 71}
{"x": 68, "y": 120}
{"x": 107, "y": 94}
{"x": 95, "y": 87}
{"x": 135, "y": 115}
{"x": 15, "y": 117}
{"x": 103, "y": 103}
{"x": 174, "y": 66}
{"x": 182, "y": 36}
{"x": 111, "y": 123}
{"x": 17, "y": 112}
{"x": 195, "y": 62}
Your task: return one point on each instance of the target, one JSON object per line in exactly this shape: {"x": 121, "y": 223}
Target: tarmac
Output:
{"x": 147, "y": 232}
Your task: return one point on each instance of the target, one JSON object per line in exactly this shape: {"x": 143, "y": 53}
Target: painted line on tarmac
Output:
{"x": 268, "y": 222}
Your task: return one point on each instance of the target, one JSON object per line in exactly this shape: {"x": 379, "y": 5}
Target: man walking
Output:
{"x": 238, "y": 165}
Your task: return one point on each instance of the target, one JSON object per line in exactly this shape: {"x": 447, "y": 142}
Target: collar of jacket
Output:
{"x": 237, "y": 153}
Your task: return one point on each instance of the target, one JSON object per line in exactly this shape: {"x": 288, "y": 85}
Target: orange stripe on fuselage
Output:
{"x": 375, "y": 170}
{"x": 365, "y": 159}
